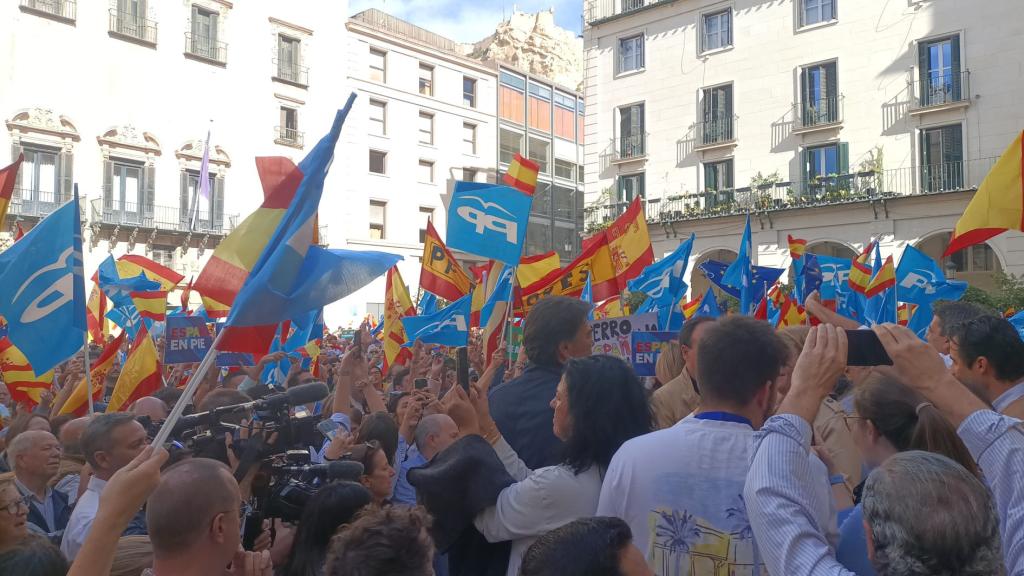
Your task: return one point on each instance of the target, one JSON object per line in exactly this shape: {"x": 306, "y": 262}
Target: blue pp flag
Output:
{"x": 428, "y": 303}
{"x": 588, "y": 296}
{"x": 1018, "y": 322}
{"x": 764, "y": 277}
{"x": 119, "y": 289}
{"x": 502, "y": 292}
{"x": 127, "y": 317}
{"x": 835, "y": 275}
{"x": 919, "y": 280}
{"x": 448, "y": 327}
{"x": 880, "y": 308}
{"x": 664, "y": 277}
{"x": 42, "y": 289}
{"x": 708, "y": 306}
{"x": 739, "y": 275}
{"x": 488, "y": 220}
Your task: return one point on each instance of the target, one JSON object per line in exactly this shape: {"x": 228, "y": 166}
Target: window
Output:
{"x": 469, "y": 174}
{"x": 130, "y": 20}
{"x": 426, "y": 79}
{"x": 942, "y": 158}
{"x": 468, "y": 138}
{"x": 512, "y": 98}
{"x": 126, "y": 198}
{"x": 378, "y": 118}
{"x": 631, "y": 53}
{"x": 469, "y": 91}
{"x": 538, "y": 237}
{"x": 378, "y": 162}
{"x": 939, "y": 69}
{"x": 565, "y": 116}
{"x": 288, "y": 57}
{"x": 580, "y": 116}
{"x": 540, "y": 152}
{"x": 564, "y": 169}
{"x": 209, "y": 211}
{"x": 426, "y": 215}
{"x": 540, "y": 107}
{"x": 378, "y": 65}
{"x": 426, "y": 172}
{"x": 541, "y": 200}
{"x": 509, "y": 144}
{"x": 718, "y": 175}
{"x": 717, "y": 30}
{"x": 426, "y": 128}
{"x": 631, "y": 131}
{"x": 822, "y": 161}
{"x": 977, "y": 258}
{"x": 819, "y": 93}
{"x": 630, "y": 186}
{"x": 817, "y": 11}
{"x": 40, "y": 178}
{"x": 564, "y": 241}
{"x": 378, "y": 213}
{"x": 288, "y": 130}
{"x": 204, "y": 34}
{"x": 375, "y": 310}
{"x": 718, "y": 115}
{"x": 562, "y": 201}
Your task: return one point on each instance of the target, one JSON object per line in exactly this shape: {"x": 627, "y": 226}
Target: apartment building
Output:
{"x": 837, "y": 121}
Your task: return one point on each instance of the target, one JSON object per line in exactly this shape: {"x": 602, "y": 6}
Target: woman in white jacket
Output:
{"x": 599, "y": 404}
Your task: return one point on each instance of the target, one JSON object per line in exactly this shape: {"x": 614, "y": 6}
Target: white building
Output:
{"x": 837, "y": 121}
{"x": 118, "y": 97}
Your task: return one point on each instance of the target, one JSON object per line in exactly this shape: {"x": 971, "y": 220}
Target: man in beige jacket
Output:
{"x": 680, "y": 395}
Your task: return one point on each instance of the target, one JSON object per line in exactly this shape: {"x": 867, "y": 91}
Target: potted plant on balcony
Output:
{"x": 869, "y": 173}
{"x": 762, "y": 187}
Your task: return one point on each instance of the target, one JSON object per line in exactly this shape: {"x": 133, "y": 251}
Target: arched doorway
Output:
{"x": 977, "y": 264}
{"x": 698, "y": 282}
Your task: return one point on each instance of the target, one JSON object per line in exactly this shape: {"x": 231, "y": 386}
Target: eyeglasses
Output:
{"x": 847, "y": 418}
{"x": 13, "y": 507}
{"x": 362, "y": 453}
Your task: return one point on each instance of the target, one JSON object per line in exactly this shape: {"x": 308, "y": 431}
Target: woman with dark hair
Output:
{"x": 330, "y": 508}
{"x": 891, "y": 418}
{"x": 598, "y": 405}
{"x": 378, "y": 475}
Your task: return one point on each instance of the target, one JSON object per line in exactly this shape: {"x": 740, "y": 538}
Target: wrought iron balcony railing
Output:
{"x": 206, "y": 48}
{"x": 939, "y": 89}
{"x": 819, "y": 113}
{"x": 66, "y": 10}
{"x": 132, "y": 26}
{"x": 161, "y": 218}
{"x": 600, "y": 10}
{"x": 716, "y": 131}
{"x": 288, "y": 136}
{"x": 631, "y": 147}
{"x": 291, "y": 73}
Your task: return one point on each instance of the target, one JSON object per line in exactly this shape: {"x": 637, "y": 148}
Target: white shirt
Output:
{"x": 1009, "y": 397}
{"x": 81, "y": 518}
{"x": 681, "y": 492}
{"x": 540, "y": 501}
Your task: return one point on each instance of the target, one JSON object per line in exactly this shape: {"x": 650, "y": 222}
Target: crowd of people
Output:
{"x": 753, "y": 451}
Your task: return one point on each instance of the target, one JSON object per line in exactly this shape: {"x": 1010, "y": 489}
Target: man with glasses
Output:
{"x": 35, "y": 457}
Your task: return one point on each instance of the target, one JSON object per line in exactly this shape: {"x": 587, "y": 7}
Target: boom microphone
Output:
{"x": 294, "y": 396}
{"x": 338, "y": 470}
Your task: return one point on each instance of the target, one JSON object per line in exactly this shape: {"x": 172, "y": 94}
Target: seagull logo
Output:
{"x": 59, "y": 293}
{"x": 482, "y": 220}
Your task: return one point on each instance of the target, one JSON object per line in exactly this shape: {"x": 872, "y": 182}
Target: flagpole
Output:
{"x": 190, "y": 390}
{"x": 88, "y": 369}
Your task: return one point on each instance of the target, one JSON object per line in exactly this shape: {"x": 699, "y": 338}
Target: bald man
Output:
{"x": 433, "y": 434}
{"x": 155, "y": 408}
{"x": 193, "y": 519}
{"x": 68, "y": 478}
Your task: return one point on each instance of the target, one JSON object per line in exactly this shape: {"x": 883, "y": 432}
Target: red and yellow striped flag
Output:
{"x": 95, "y": 313}
{"x": 691, "y": 307}
{"x": 77, "y": 403}
{"x": 22, "y": 382}
{"x": 860, "y": 270}
{"x": 610, "y": 308}
{"x": 998, "y": 205}
{"x": 397, "y": 304}
{"x": 131, "y": 265}
{"x": 884, "y": 280}
{"x": 629, "y": 244}
{"x": 904, "y": 312}
{"x": 792, "y": 314}
{"x": 441, "y": 274}
{"x": 152, "y": 305}
{"x": 140, "y": 376}
{"x": 797, "y": 247}
{"x": 8, "y": 177}
{"x": 522, "y": 175}
{"x": 533, "y": 268}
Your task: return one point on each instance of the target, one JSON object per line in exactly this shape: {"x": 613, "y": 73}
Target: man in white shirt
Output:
{"x": 988, "y": 358}
{"x": 680, "y": 489}
{"x": 110, "y": 442}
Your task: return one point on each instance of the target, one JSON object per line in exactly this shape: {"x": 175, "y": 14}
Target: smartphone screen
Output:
{"x": 462, "y": 368}
{"x": 328, "y": 428}
{"x": 420, "y": 383}
{"x": 865, "y": 349}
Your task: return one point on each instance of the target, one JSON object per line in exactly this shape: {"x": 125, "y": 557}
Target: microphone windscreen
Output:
{"x": 344, "y": 470}
{"x": 307, "y": 393}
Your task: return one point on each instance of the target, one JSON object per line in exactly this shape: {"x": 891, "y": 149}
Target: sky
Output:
{"x": 469, "y": 21}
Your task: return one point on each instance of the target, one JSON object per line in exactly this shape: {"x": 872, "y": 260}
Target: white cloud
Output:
{"x": 472, "y": 21}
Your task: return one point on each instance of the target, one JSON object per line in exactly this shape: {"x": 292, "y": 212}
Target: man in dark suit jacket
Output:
{"x": 557, "y": 329}
{"x": 35, "y": 457}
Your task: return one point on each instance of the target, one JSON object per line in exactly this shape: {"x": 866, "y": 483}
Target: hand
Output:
{"x": 129, "y": 487}
{"x": 482, "y": 406}
{"x": 273, "y": 357}
{"x": 436, "y": 367}
{"x": 461, "y": 410}
{"x": 819, "y": 366}
{"x": 283, "y": 538}
{"x": 45, "y": 399}
{"x": 826, "y": 459}
{"x": 264, "y": 541}
{"x": 339, "y": 445}
{"x": 251, "y": 564}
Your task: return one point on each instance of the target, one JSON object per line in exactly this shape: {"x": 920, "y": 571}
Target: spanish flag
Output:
{"x": 77, "y": 402}
{"x": 860, "y": 270}
{"x": 140, "y": 375}
{"x": 690, "y": 308}
{"x": 792, "y": 314}
{"x": 997, "y": 206}
{"x": 629, "y": 244}
{"x": 131, "y": 265}
{"x": 486, "y": 276}
{"x": 22, "y": 382}
{"x": 186, "y": 295}
{"x": 595, "y": 261}
{"x": 152, "y": 305}
{"x": 397, "y": 305}
{"x": 797, "y": 247}
{"x": 904, "y": 312}
{"x": 522, "y": 175}
{"x": 883, "y": 280}
{"x": 533, "y": 268}
{"x": 441, "y": 273}
{"x": 610, "y": 308}
{"x": 95, "y": 313}
{"x": 8, "y": 177}
{"x": 229, "y": 266}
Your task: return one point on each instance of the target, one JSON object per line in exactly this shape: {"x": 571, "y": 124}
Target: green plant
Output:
{"x": 634, "y": 300}
{"x": 1008, "y": 293}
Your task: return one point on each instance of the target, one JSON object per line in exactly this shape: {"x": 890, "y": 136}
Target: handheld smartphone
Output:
{"x": 328, "y": 428}
{"x": 462, "y": 367}
{"x": 420, "y": 383}
{"x": 865, "y": 349}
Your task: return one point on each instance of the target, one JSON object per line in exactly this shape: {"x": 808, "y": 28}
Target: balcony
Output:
{"x": 598, "y": 11}
{"x": 630, "y": 148}
{"x": 288, "y": 137}
{"x": 132, "y": 27}
{"x": 33, "y": 203}
{"x": 716, "y": 132}
{"x": 819, "y": 114}
{"x": 290, "y": 73}
{"x": 206, "y": 49}
{"x": 940, "y": 92}
{"x": 159, "y": 218}
{"x": 830, "y": 190}
{"x": 61, "y": 10}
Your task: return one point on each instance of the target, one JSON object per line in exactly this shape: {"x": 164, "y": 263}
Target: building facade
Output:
{"x": 832, "y": 120}
{"x": 119, "y": 98}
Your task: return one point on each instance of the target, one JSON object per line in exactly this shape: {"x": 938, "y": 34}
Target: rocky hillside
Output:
{"x": 533, "y": 42}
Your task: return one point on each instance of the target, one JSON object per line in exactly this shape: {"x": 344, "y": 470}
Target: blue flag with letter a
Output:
{"x": 447, "y": 327}
{"x": 42, "y": 289}
{"x": 488, "y": 220}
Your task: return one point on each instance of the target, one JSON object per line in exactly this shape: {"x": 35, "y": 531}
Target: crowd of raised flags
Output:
{"x": 266, "y": 284}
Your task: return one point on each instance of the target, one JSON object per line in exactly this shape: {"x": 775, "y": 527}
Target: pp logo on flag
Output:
{"x": 488, "y": 220}
{"x": 920, "y": 280}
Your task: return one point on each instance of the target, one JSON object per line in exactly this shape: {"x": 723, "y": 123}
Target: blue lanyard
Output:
{"x": 723, "y": 417}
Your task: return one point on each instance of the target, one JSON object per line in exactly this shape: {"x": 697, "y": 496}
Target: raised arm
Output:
{"x": 814, "y": 305}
